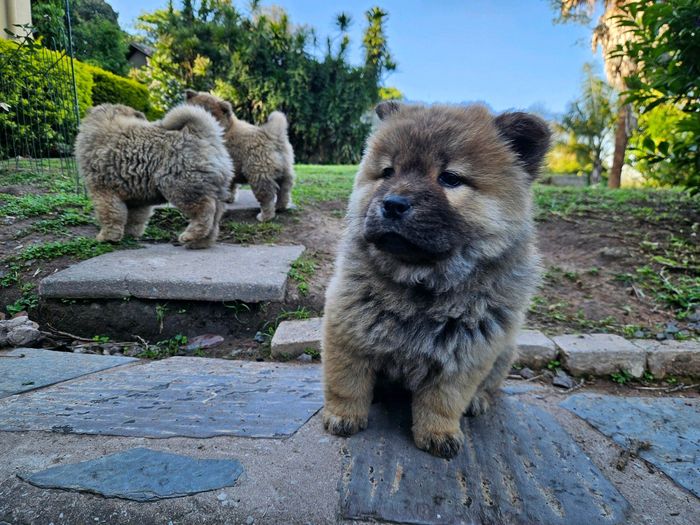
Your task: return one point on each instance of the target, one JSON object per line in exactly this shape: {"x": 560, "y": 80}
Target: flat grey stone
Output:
{"x": 161, "y": 271}
{"x": 30, "y": 368}
{"x": 518, "y": 466}
{"x": 670, "y": 425}
{"x": 293, "y": 337}
{"x": 535, "y": 349}
{"x": 671, "y": 357}
{"x": 600, "y": 354}
{"x": 179, "y": 396}
{"x": 141, "y": 474}
{"x": 245, "y": 203}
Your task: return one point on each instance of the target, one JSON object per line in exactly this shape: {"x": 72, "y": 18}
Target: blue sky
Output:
{"x": 507, "y": 53}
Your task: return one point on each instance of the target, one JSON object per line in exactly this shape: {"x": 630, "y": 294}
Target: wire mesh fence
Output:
{"x": 39, "y": 113}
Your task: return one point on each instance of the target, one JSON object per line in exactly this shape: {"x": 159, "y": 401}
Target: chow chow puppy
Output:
{"x": 130, "y": 164}
{"x": 262, "y": 155}
{"x": 436, "y": 267}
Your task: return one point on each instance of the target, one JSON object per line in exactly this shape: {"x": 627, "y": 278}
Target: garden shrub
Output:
{"x": 114, "y": 89}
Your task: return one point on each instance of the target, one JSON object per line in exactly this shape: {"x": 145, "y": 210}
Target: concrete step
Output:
{"x": 225, "y": 272}
{"x": 246, "y": 204}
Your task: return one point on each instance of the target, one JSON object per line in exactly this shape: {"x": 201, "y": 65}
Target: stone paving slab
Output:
{"x": 141, "y": 474}
{"x": 293, "y": 337}
{"x": 600, "y": 354}
{"x": 245, "y": 203}
{"x": 30, "y": 368}
{"x": 518, "y": 467}
{"x": 179, "y": 396}
{"x": 671, "y": 357}
{"x": 535, "y": 349}
{"x": 162, "y": 271}
{"x": 670, "y": 425}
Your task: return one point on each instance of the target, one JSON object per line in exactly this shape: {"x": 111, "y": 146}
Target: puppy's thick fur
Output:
{"x": 436, "y": 267}
{"x": 130, "y": 164}
{"x": 262, "y": 155}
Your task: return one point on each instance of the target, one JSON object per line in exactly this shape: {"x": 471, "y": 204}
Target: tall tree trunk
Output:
{"x": 622, "y": 135}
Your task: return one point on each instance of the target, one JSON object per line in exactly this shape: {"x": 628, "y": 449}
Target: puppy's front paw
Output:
{"x": 343, "y": 425}
{"x": 441, "y": 444}
{"x": 480, "y": 404}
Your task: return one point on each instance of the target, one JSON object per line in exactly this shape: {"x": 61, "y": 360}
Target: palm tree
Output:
{"x": 608, "y": 34}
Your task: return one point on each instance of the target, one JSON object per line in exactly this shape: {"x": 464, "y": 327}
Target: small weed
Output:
{"x": 622, "y": 377}
{"x": 161, "y": 311}
{"x": 554, "y": 364}
{"x": 102, "y": 339}
{"x": 593, "y": 271}
{"x": 301, "y": 271}
{"x": 80, "y": 248}
{"x": 29, "y": 300}
{"x": 315, "y": 354}
{"x": 163, "y": 349}
{"x": 648, "y": 376}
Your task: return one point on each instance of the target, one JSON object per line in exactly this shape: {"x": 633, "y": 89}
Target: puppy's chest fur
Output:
{"x": 412, "y": 334}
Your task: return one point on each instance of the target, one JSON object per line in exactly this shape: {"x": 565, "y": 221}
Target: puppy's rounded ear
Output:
{"x": 226, "y": 107}
{"x": 190, "y": 93}
{"x": 140, "y": 115}
{"x": 527, "y": 135}
{"x": 387, "y": 108}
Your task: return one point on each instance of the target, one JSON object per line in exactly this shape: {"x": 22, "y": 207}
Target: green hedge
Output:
{"x": 109, "y": 87}
{"x": 37, "y": 118}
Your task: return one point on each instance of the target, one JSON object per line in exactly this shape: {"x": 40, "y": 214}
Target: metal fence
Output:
{"x": 39, "y": 112}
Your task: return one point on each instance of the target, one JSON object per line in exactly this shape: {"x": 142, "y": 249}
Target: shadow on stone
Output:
{"x": 141, "y": 474}
{"x": 518, "y": 466}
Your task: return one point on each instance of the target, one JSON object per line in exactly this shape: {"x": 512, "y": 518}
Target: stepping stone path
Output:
{"x": 141, "y": 474}
{"x": 223, "y": 273}
{"x": 518, "y": 465}
{"x": 180, "y": 396}
{"x": 246, "y": 203}
{"x": 26, "y": 369}
{"x": 292, "y": 338}
{"x": 670, "y": 427}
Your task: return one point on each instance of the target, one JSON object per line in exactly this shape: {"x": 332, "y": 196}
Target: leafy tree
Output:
{"x": 665, "y": 43}
{"x": 260, "y": 62}
{"x": 587, "y": 125}
{"x": 97, "y": 37}
{"x": 609, "y": 33}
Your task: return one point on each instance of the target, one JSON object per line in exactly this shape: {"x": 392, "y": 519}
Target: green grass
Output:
{"x": 79, "y": 248}
{"x": 28, "y": 206}
{"x": 250, "y": 232}
{"x": 302, "y": 271}
{"x": 319, "y": 183}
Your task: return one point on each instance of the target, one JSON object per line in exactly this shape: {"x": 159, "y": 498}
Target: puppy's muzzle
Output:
{"x": 395, "y": 207}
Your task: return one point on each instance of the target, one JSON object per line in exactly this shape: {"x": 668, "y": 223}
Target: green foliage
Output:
{"x": 78, "y": 248}
{"x": 114, "y": 89}
{"x": 97, "y": 37}
{"x": 622, "y": 377}
{"x": 587, "y": 125}
{"x": 39, "y": 115}
{"x": 163, "y": 349}
{"x": 260, "y": 62}
{"x": 664, "y": 42}
{"x": 323, "y": 183}
{"x": 29, "y": 300}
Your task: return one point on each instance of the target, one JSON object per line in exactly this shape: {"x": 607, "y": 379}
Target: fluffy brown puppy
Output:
{"x": 130, "y": 164}
{"x": 436, "y": 267}
{"x": 262, "y": 155}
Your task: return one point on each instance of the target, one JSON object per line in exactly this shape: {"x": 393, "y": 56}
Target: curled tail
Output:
{"x": 193, "y": 118}
{"x": 276, "y": 124}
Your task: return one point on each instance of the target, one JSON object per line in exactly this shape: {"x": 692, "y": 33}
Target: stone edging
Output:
{"x": 579, "y": 354}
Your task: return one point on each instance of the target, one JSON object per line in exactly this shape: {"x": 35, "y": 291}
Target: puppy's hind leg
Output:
{"x": 111, "y": 214}
{"x": 265, "y": 191}
{"x": 233, "y": 193}
{"x": 202, "y": 214}
{"x": 348, "y": 389}
{"x": 284, "y": 193}
{"x": 137, "y": 220}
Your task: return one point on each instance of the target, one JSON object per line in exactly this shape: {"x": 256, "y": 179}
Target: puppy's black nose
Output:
{"x": 395, "y": 206}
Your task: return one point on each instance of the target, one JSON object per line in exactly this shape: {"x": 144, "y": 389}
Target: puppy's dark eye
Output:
{"x": 387, "y": 172}
{"x": 450, "y": 180}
